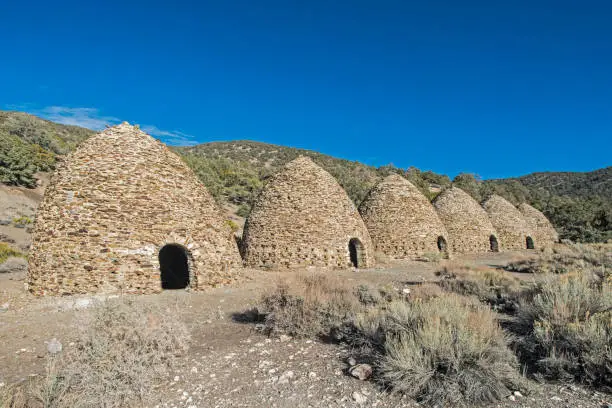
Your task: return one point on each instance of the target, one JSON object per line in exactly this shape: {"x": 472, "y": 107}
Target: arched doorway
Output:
{"x": 529, "y": 243}
{"x": 493, "y": 243}
{"x": 174, "y": 267}
{"x": 356, "y": 252}
{"x": 441, "y": 244}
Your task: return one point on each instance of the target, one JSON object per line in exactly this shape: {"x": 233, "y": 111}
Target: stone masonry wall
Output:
{"x": 508, "y": 221}
{"x": 467, "y": 223}
{"x": 543, "y": 233}
{"x": 302, "y": 218}
{"x": 401, "y": 220}
{"x": 110, "y": 207}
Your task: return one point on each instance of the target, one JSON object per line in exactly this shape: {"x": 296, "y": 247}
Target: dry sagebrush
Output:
{"x": 313, "y": 305}
{"x": 437, "y": 347}
{"x": 564, "y": 331}
{"x": 566, "y": 258}
{"x": 320, "y": 305}
{"x": 124, "y": 348}
{"x": 443, "y": 351}
{"x": 123, "y": 351}
{"x": 491, "y": 286}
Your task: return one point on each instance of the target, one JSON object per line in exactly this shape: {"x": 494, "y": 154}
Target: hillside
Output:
{"x": 29, "y": 145}
{"x": 578, "y": 204}
{"x": 236, "y": 171}
{"x": 594, "y": 183}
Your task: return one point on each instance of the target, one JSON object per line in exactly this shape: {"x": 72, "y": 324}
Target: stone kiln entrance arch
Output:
{"x": 356, "y": 253}
{"x": 441, "y": 244}
{"x": 493, "y": 243}
{"x": 174, "y": 267}
{"x": 529, "y": 243}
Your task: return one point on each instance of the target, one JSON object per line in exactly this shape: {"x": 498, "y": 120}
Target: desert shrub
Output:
{"x": 19, "y": 160}
{"x": 243, "y": 210}
{"x": 7, "y": 251}
{"x": 564, "y": 331}
{"x": 232, "y": 225}
{"x": 492, "y": 286}
{"x": 566, "y": 258}
{"x": 313, "y": 305}
{"x": 442, "y": 351}
{"x": 124, "y": 349}
{"x": 13, "y": 397}
{"x": 425, "y": 291}
{"x": 431, "y": 257}
{"x": 54, "y": 389}
{"x": 22, "y": 221}
{"x": 368, "y": 297}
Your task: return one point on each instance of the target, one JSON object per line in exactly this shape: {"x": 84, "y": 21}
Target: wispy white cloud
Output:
{"x": 92, "y": 118}
{"x": 173, "y": 137}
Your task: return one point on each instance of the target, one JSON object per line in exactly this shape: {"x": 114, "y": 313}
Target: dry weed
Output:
{"x": 567, "y": 258}
{"x": 313, "y": 305}
{"x": 498, "y": 289}
{"x": 13, "y": 396}
{"x": 441, "y": 351}
{"x": 564, "y": 331}
{"x": 124, "y": 349}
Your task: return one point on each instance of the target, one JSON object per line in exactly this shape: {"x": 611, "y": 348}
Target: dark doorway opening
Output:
{"x": 356, "y": 252}
{"x": 441, "y": 244}
{"x": 493, "y": 243}
{"x": 529, "y": 243}
{"x": 174, "y": 266}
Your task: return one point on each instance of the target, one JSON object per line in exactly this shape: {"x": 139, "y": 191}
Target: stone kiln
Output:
{"x": 401, "y": 220}
{"x": 509, "y": 223}
{"x": 542, "y": 231}
{"x": 469, "y": 228}
{"x": 125, "y": 214}
{"x": 302, "y": 218}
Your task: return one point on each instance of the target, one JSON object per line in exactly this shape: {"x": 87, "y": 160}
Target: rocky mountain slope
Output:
{"x": 593, "y": 183}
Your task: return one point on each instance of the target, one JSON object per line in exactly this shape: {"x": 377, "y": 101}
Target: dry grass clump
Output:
{"x": 566, "y": 258}
{"x": 6, "y": 252}
{"x": 322, "y": 305}
{"x": 447, "y": 350}
{"x": 313, "y": 305}
{"x": 12, "y": 397}
{"x": 489, "y": 285}
{"x": 123, "y": 351}
{"x": 565, "y": 329}
{"x": 437, "y": 347}
{"x": 432, "y": 257}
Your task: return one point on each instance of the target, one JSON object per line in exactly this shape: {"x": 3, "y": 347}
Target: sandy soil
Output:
{"x": 16, "y": 202}
{"x": 229, "y": 363}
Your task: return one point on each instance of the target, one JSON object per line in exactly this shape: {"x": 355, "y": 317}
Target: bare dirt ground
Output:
{"x": 15, "y": 203}
{"x": 229, "y": 363}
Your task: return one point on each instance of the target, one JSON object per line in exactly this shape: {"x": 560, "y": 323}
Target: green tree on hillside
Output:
{"x": 470, "y": 183}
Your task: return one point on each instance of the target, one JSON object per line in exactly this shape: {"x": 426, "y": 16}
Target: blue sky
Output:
{"x": 495, "y": 88}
